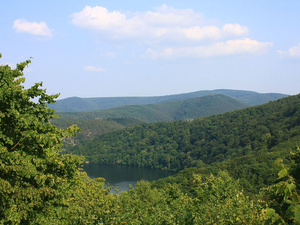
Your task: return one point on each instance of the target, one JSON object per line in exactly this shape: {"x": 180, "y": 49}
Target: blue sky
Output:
{"x": 152, "y": 48}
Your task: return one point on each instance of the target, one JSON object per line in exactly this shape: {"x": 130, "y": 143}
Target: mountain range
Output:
{"x": 76, "y": 104}
{"x": 186, "y": 107}
{"x": 168, "y": 111}
{"x": 243, "y": 142}
{"x": 97, "y": 122}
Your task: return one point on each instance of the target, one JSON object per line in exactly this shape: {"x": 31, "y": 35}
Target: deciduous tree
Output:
{"x": 34, "y": 177}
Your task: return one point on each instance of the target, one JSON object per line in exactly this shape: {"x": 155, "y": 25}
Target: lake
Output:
{"x": 122, "y": 176}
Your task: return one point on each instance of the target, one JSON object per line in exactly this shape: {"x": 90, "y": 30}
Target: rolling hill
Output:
{"x": 76, "y": 104}
{"x": 169, "y": 111}
{"x": 104, "y": 121}
{"x": 245, "y": 142}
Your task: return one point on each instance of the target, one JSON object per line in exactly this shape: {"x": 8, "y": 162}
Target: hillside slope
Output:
{"x": 104, "y": 121}
{"x": 93, "y": 127}
{"x": 254, "y": 136}
{"x": 75, "y": 104}
{"x": 169, "y": 111}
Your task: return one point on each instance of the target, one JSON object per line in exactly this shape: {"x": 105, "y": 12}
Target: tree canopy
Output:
{"x": 35, "y": 179}
{"x": 40, "y": 186}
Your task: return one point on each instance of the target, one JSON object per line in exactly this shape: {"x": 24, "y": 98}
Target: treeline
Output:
{"x": 90, "y": 128}
{"x": 253, "y": 135}
{"x": 40, "y": 186}
{"x": 96, "y": 123}
{"x": 169, "y": 111}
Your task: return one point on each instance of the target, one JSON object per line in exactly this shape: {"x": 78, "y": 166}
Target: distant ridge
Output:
{"x": 168, "y": 111}
{"x": 98, "y": 122}
{"x": 259, "y": 134}
{"x": 76, "y": 104}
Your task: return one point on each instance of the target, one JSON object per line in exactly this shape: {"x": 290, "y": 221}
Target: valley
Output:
{"x": 254, "y": 136}
{"x": 231, "y": 163}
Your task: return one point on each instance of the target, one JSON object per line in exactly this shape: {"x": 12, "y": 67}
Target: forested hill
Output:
{"x": 38, "y": 185}
{"x": 169, "y": 111}
{"x": 104, "y": 121}
{"x": 76, "y": 104}
{"x": 255, "y": 132}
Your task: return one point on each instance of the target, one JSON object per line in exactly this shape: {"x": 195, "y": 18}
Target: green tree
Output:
{"x": 34, "y": 177}
{"x": 283, "y": 198}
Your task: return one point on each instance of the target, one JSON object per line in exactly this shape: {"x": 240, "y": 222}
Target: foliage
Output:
{"x": 244, "y": 142}
{"x": 96, "y": 123}
{"x": 37, "y": 184}
{"x": 40, "y": 186}
{"x": 169, "y": 111}
{"x": 91, "y": 128}
{"x": 283, "y": 197}
{"x": 218, "y": 200}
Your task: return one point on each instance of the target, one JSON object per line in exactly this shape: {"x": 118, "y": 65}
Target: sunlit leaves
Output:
{"x": 34, "y": 177}
{"x": 40, "y": 186}
{"x": 284, "y": 197}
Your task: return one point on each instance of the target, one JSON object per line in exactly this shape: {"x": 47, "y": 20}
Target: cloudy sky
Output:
{"x": 108, "y": 48}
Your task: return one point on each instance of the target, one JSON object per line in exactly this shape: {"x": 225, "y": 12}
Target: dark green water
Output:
{"x": 122, "y": 176}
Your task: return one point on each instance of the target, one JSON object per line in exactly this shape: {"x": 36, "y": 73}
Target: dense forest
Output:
{"x": 90, "y": 128}
{"x": 98, "y": 122}
{"x": 252, "y": 137}
{"x": 38, "y": 185}
{"x": 170, "y": 111}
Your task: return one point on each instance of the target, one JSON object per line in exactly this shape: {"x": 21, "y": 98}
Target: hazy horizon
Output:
{"x": 141, "y": 49}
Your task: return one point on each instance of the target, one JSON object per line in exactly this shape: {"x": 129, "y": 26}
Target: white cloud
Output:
{"x": 235, "y": 29}
{"x": 34, "y": 28}
{"x": 293, "y": 52}
{"x": 167, "y": 16}
{"x": 165, "y": 22}
{"x": 98, "y": 18}
{"x": 200, "y": 33}
{"x": 230, "y": 47}
{"x": 94, "y": 69}
{"x": 178, "y": 27}
{"x": 214, "y": 32}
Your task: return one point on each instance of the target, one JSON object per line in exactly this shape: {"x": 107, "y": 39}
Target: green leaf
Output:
{"x": 282, "y": 173}
{"x": 297, "y": 213}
